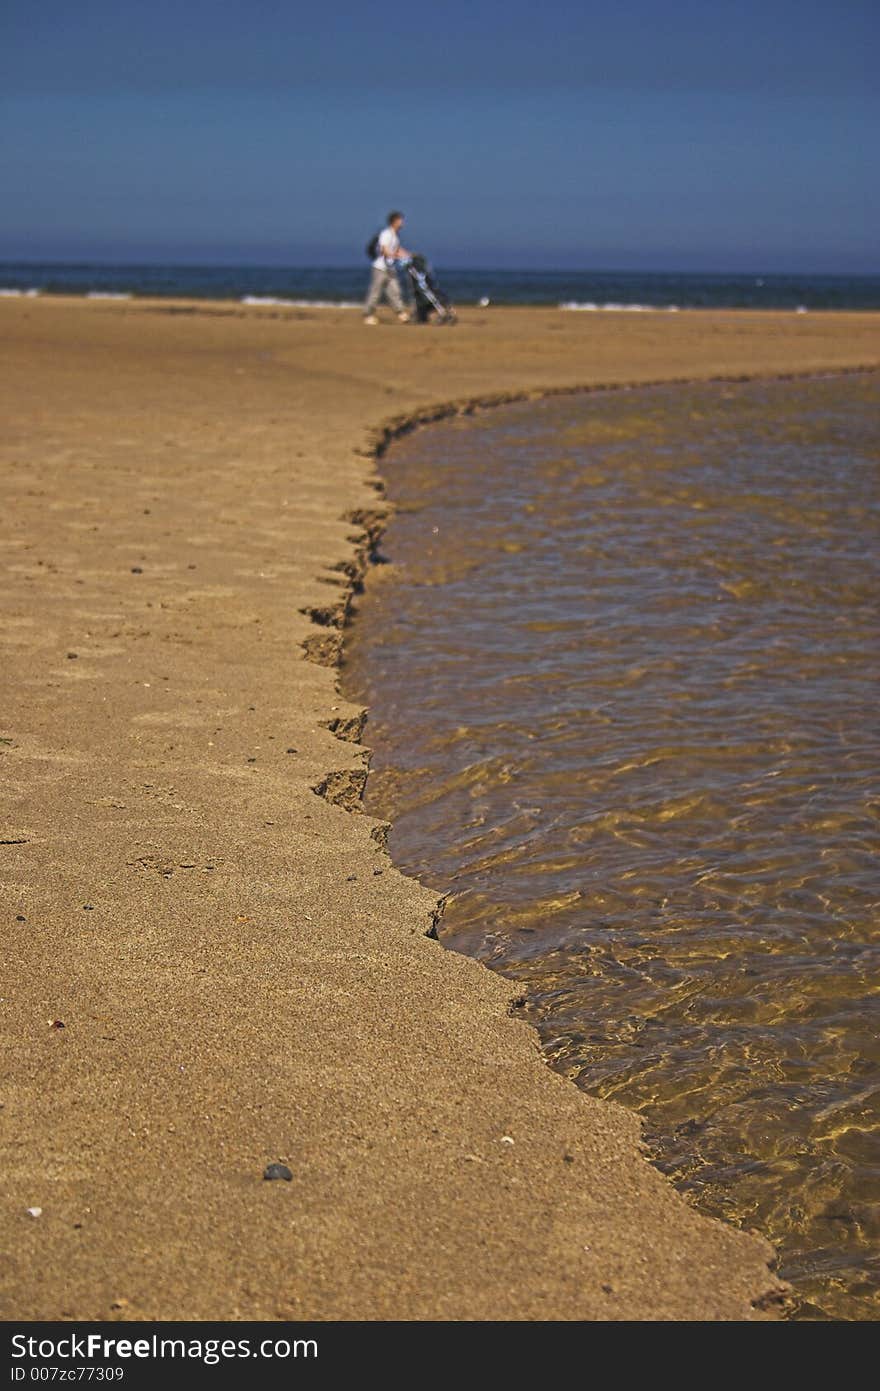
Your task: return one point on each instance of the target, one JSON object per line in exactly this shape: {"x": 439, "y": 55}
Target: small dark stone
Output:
{"x": 607, "y": 1289}
{"x": 88, "y": 907}
{"x": 20, "y": 918}
{"x": 136, "y": 570}
{"x": 273, "y": 1171}
{"x": 72, "y": 656}
{"x": 568, "y": 1158}
{"x": 351, "y": 877}
{"x": 252, "y": 760}
{"x": 292, "y": 750}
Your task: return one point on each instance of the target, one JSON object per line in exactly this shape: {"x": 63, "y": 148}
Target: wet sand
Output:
{"x": 241, "y": 976}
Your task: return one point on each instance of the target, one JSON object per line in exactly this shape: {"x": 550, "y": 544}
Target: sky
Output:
{"x": 551, "y": 134}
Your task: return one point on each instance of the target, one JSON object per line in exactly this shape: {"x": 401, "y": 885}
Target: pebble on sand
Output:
{"x": 272, "y": 1171}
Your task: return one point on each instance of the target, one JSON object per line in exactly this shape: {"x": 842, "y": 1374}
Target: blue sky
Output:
{"x": 628, "y": 135}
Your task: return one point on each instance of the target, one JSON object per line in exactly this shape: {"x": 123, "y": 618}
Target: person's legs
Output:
{"x": 384, "y": 283}
{"x": 392, "y": 290}
{"x": 374, "y": 294}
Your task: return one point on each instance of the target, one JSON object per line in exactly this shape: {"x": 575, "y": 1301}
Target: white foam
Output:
{"x": 302, "y": 303}
{"x": 106, "y": 294}
{"x": 588, "y": 307}
{"x": 18, "y": 294}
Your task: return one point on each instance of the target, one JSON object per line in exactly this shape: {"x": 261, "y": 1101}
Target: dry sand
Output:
{"x": 241, "y": 976}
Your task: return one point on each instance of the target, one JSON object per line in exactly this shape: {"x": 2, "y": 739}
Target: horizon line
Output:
{"x": 92, "y": 262}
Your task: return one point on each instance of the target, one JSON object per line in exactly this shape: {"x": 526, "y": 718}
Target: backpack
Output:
{"x": 373, "y": 247}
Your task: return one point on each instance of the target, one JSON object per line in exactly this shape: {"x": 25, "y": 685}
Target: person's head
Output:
{"x": 395, "y": 221}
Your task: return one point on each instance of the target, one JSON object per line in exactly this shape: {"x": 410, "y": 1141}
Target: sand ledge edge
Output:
{"x": 347, "y": 787}
{"x": 323, "y": 1028}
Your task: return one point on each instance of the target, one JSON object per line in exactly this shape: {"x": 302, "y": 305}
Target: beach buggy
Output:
{"x": 427, "y": 295}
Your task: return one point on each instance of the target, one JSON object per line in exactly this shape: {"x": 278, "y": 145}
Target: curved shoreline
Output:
{"x": 384, "y": 435}
{"x": 251, "y": 982}
{"x": 394, "y": 430}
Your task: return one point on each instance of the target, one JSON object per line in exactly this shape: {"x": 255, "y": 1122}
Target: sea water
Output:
{"x": 622, "y": 678}
{"x": 572, "y": 291}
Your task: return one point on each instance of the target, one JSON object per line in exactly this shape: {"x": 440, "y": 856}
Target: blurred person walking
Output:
{"x": 386, "y": 251}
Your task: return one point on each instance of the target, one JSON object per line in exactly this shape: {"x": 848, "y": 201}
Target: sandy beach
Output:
{"x": 210, "y": 968}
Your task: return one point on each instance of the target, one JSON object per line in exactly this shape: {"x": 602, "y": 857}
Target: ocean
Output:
{"x": 622, "y": 671}
{"x": 582, "y": 291}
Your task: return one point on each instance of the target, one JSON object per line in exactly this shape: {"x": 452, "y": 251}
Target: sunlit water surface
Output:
{"x": 622, "y": 679}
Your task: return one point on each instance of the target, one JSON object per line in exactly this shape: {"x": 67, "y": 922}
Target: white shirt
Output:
{"x": 389, "y": 242}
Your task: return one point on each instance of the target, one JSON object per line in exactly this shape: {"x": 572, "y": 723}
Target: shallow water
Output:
{"x": 622, "y": 686}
